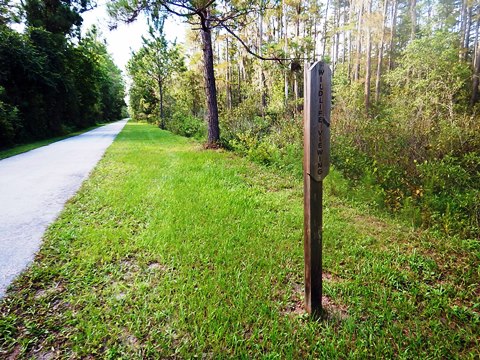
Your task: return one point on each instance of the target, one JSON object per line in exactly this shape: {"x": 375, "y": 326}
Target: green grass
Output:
{"x": 171, "y": 251}
{"x": 19, "y": 149}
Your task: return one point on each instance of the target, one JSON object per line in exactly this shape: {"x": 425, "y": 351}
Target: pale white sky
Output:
{"x": 128, "y": 37}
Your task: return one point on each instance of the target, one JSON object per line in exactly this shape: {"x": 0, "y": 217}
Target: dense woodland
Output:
{"x": 405, "y": 127}
{"x": 52, "y": 80}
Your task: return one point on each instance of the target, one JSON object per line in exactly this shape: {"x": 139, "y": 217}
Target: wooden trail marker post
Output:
{"x": 316, "y": 163}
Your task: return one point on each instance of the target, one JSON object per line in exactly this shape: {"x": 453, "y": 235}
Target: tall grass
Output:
{"x": 171, "y": 251}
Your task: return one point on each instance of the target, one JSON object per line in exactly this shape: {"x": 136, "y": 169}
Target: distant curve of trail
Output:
{"x": 34, "y": 187}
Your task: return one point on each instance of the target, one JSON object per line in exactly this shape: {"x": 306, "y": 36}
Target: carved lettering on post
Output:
{"x": 317, "y": 106}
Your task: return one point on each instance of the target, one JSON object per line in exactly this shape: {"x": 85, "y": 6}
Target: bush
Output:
{"x": 416, "y": 152}
{"x": 9, "y": 124}
{"x": 278, "y": 144}
{"x": 450, "y": 195}
{"x": 432, "y": 191}
{"x": 187, "y": 125}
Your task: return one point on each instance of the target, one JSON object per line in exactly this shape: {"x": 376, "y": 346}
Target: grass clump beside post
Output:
{"x": 171, "y": 251}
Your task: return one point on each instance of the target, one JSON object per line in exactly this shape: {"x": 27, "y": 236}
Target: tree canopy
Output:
{"x": 51, "y": 82}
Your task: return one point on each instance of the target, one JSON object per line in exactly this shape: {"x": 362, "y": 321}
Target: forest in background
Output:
{"x": 405, "y": 121}
{"x": 52, "y": 80}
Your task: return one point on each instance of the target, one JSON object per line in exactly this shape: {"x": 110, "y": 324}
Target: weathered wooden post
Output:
{"x": 316, "y": 163}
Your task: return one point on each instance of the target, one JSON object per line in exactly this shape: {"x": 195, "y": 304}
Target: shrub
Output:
{"x": 187, "y": 125}
{"x": 450, "y": 194}
{"x": 9, "y": 124}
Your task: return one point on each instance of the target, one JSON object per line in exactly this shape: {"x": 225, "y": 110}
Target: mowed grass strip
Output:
{"x": 171, "y": 251}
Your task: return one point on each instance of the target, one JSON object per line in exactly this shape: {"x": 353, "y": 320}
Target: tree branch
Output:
{"x": 250, "y": 51}
{"x": 192, "y": 11}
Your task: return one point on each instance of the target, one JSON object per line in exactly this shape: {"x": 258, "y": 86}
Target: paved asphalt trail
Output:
{"x": 34, "y": 187}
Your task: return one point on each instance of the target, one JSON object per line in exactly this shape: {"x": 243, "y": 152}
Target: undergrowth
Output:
{"x": 172, "y": 251}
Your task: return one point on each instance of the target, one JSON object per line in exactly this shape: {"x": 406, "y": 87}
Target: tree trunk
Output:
{"x": 413, "y": 18}
{"x": 264, "y": 93}
{"x": 337, "y": 40}
{"x": 280, "y": 27}
{"x": 333, "y": 39}
{"x": 476, "y": 81}
{"x": 314, "y": 57}
{"x": 356, "y": 75}
{"x": 307, "y": 33}
{"x": 219, "y": 51}
{"x": 262, "y": 74}
{"x": 474, "y": 61}
{"x": 368, "y": 67}
{"x": 239, "y": 83}
{"x": 429, "y": 11}
{"x": 162, "y": 118}
{"x": 297, "y": 20}
{"x": 209, "y": 75}
{"x": 344, "y": 37}
{"x": 468, "y": 27}
{"x": 285, "y": 49}
{"x": 285, "y": 79}
{"x": 392, "y": 35}
{"x": 380, "y": 53}
{"x": 295, "y": 74}
{"x": 349, "y": 67}
{"x": 462, "y": 28}
{"x": 325, "y": 29}
{"x": 476, "y": 70}
{"x": 228, "y": 80}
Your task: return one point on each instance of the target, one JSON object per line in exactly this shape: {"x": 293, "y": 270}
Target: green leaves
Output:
{"x": 151, "y": 68}
{"x": 52, "y": 86}
{"x": 429, "y": 76}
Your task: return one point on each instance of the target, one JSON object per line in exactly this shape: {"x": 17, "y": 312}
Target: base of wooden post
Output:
{"x": 313, "y": 245}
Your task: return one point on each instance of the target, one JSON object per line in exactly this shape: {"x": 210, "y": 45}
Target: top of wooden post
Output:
{"x": 318, "y": 100}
